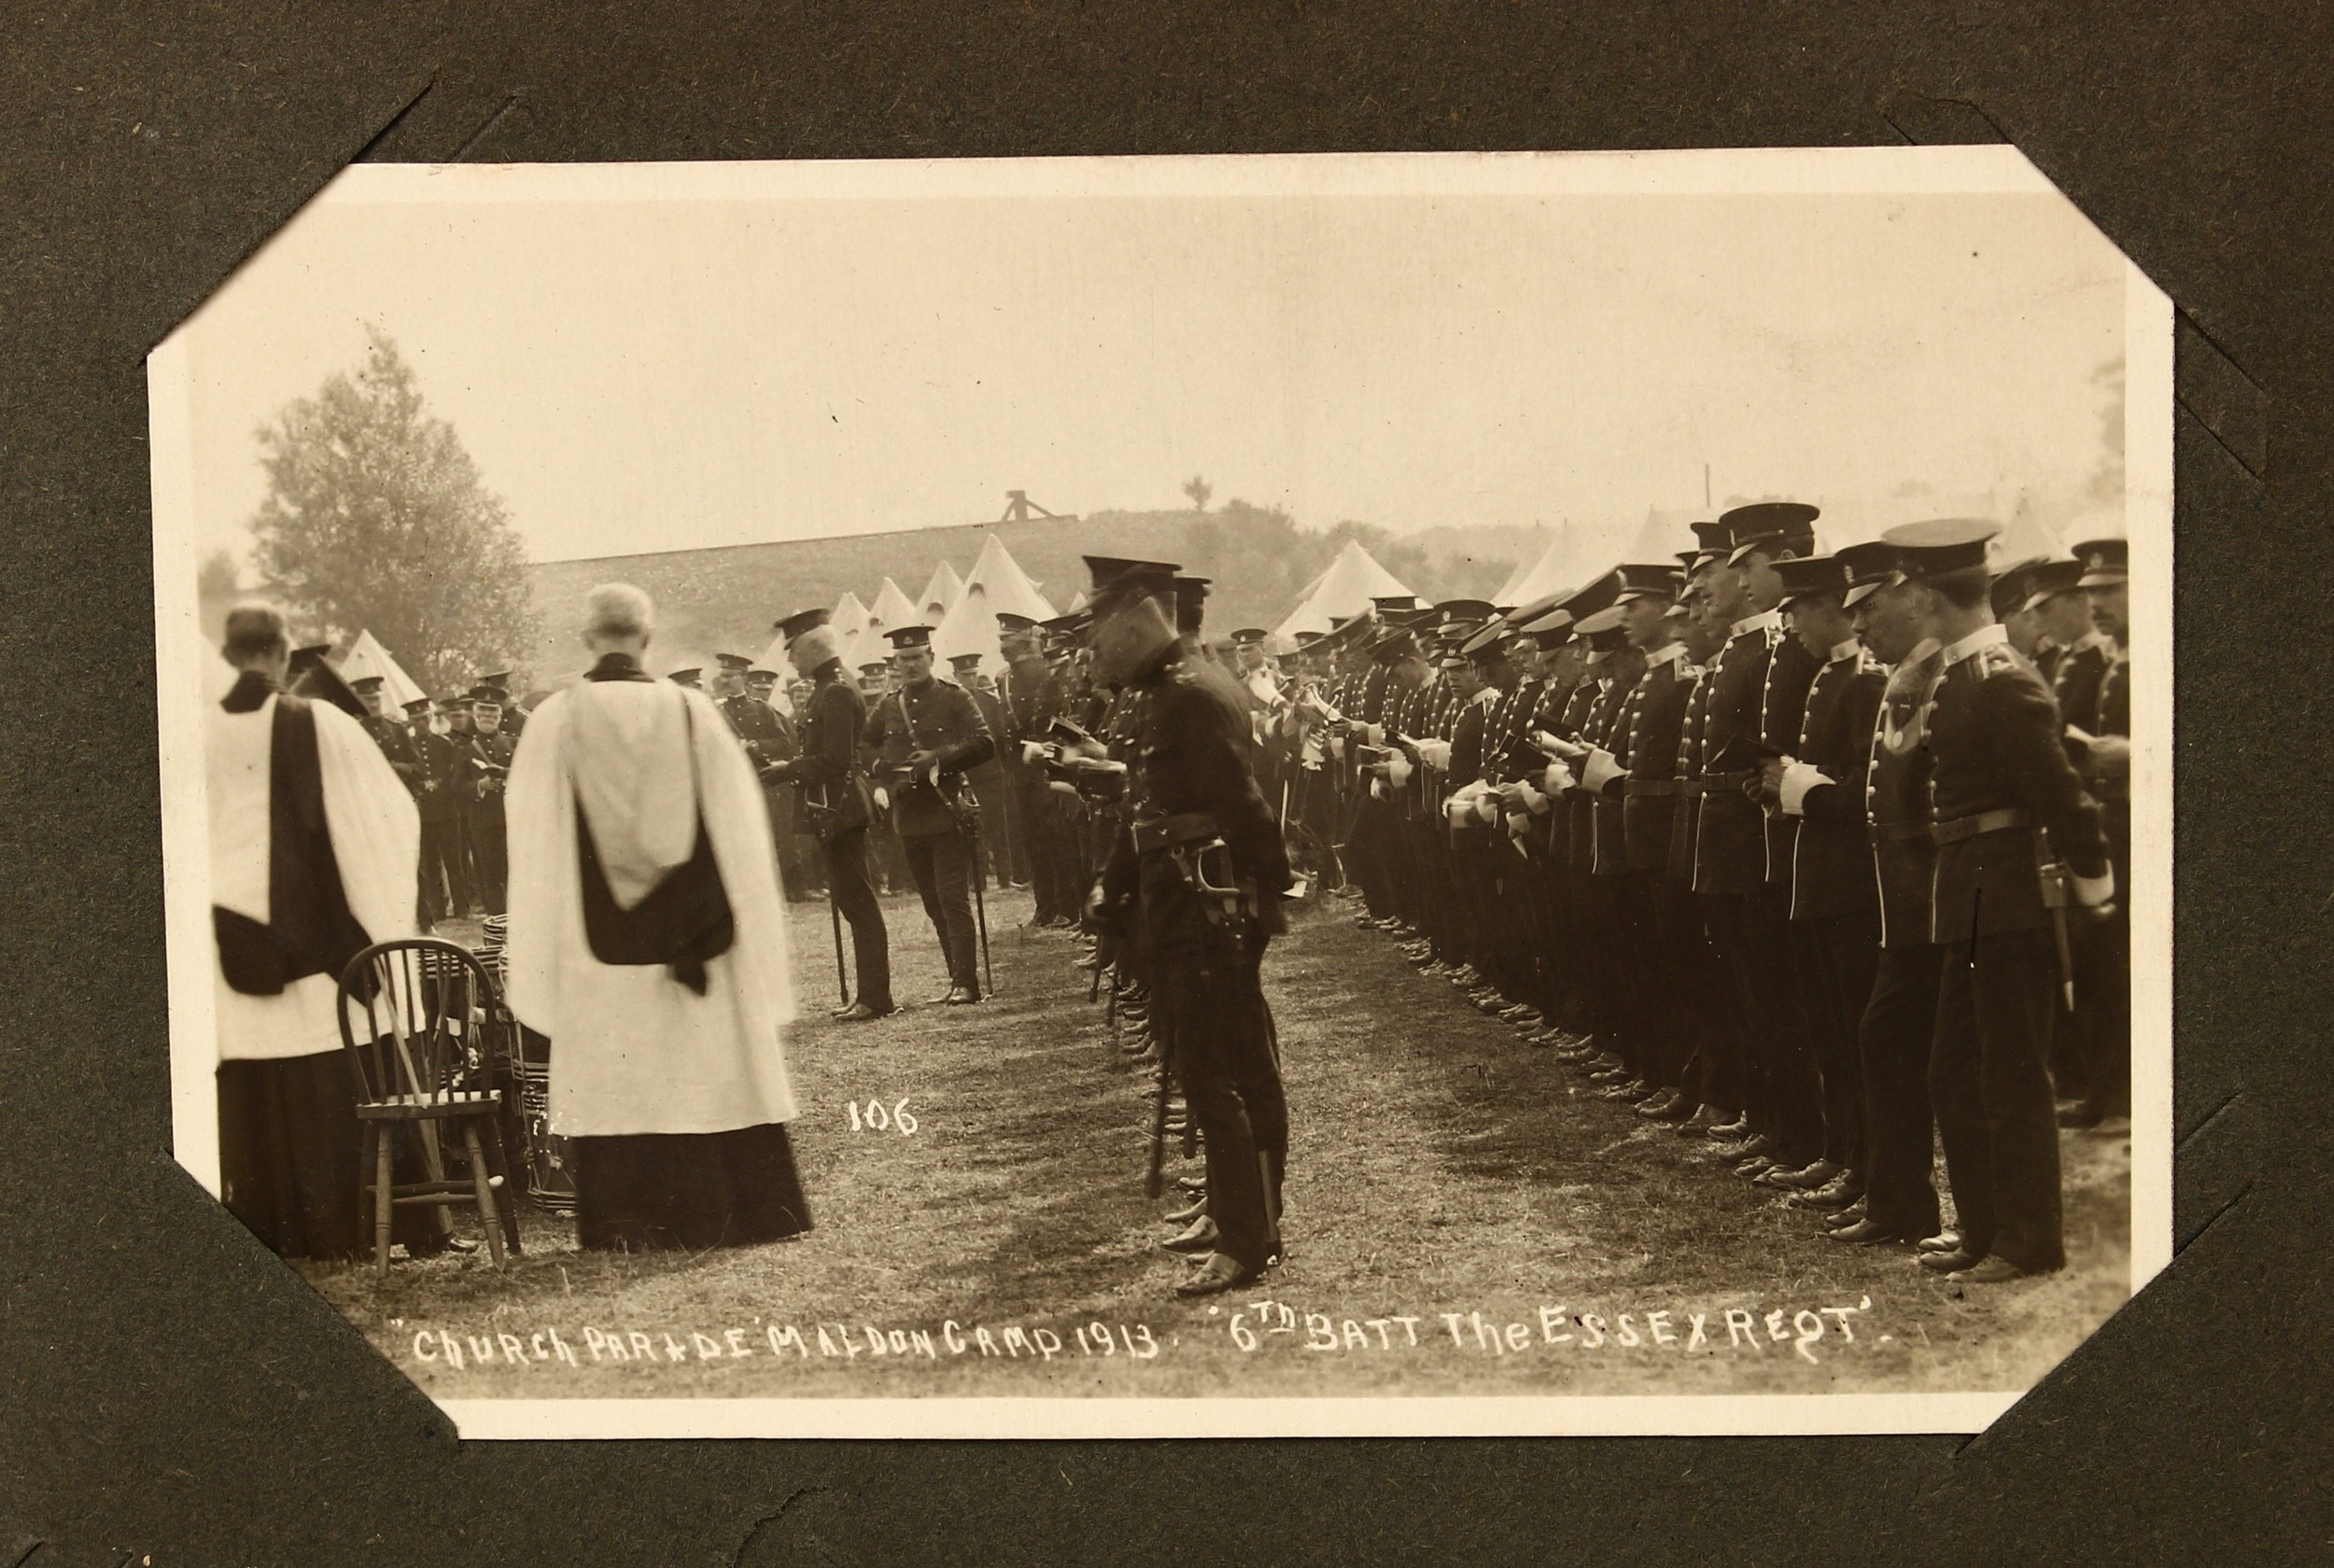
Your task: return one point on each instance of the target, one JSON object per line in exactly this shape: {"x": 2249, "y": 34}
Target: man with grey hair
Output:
{"x": 648, "y": 942}
{"x": 313, "y": 843}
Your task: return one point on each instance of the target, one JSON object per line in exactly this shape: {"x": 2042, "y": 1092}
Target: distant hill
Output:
{"x": 726, "y": 598}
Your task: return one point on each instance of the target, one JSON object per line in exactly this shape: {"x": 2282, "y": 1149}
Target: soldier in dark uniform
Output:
{"x": 444, "y": 851}
{"x": 395, "y": 740}
{"x": 1835, "y": 905}
{"x": 1199, "y": 878}
{"x": 924, "y": 737}
{"x": 1899, "y": 1023}
{"x": 2000, "y": 777}
{"x": 1028, "y": 714}
{"x": 1737, "y": 849}
{"x": 768, "y": 741}
{"x": 2101, "y": 740}
{"x": 1636, "y": 789}
{"x": 833, "y": 799}
{"x": 988, "y": 779}
{"x": 489, "y": 764}
{"x": 456, "y": 781}
{"x": 782, "y": 743}
{"x": 2057, "y": 600}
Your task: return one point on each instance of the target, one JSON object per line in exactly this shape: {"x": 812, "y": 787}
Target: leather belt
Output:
{"x": 1652, "y": 786}
{"x": 1959, "y": 828}
{"x": 1166, "y": 832}
{"x": 1898, "y": 833}
{"x": 1723, "y": 783}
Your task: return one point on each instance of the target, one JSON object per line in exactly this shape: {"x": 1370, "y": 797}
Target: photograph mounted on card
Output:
{"x": 1377, "y": 795}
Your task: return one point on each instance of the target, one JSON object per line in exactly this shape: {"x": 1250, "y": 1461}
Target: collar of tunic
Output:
{"x": 1994, "y": 634}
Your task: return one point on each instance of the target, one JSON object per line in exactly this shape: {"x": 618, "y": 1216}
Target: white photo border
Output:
{"x": 1907, "y": 171}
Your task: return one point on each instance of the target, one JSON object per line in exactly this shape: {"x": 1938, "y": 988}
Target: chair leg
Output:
{"x": 384, "y": 1193}
{"x": 508, "y": 1203}
{"x": 487, "y": 1219}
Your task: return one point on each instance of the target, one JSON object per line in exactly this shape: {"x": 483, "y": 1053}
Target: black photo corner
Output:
{"x": 170, "y": 1394}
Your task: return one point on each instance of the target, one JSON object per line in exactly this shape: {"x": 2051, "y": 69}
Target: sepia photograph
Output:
{"x": 1380, "y": 794}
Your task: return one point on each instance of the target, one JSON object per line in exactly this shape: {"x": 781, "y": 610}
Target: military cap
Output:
{"x": 904, "y": 639}
{"x": 1384, "y": 602}
{"x": 1490, "y": 637}
{"x": 688, "y": 677}
{"x": 365, "y": 685}
{"x": 1712, "y": 541}
{"x": 1388, "y": 646}
{"x": 965, "y": 661}
{"x": 1601, "y": 593}
{"x": 1870, "y": 566}
{"x": 499, "y": 679}
{"x": 452, "y": 705}
{"x": 1646, "y": 580}
{"x": 1769, "y": 524}
{"x": 757, "y": 674}
{"x": 491, "y": 696}
{"x": 418, "y": 707}
{"x": 1474, "y": 610}
{"x": 1066, "y": 626}
{"x": 1248, "y": 637}
{"x": 1603, "y": 631}
{"x": 2107, "y": 562}
{"x": 1806, "y": 575}
{"x": 2013, "y": 586}
{"x": 803, "y": 620}
{"x": 2048, "y": 579}
{"x": 874, "y": 667}
{"x": 1305, "y": 638}
{"x": 1009, "y": 625}
{"x": 1116, "y": 577}
{"x": 733, "y": 661}
{"x": 1941, "y": 546}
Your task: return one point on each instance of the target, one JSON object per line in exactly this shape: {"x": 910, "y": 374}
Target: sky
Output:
{"x": 647, "y": 374}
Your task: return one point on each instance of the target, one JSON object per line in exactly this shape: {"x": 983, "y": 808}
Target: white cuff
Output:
{"x": 2092, "y": 891}
{"x": 1800, "y": 779}
{"x": 1598, "y": 771}
{"x": 1373, "y": 735}
{"x": 1397, "y": 769}
{"x": 1436, "y": 754}
{"x": 1486, "y": 808}
{"x": 1557, "y": 780}
{"x": 1377, "y": 788}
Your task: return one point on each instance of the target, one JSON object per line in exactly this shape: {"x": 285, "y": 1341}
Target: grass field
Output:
{"x": 1462, "y": 1219}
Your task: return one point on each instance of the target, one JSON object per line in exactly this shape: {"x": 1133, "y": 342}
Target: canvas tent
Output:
{"x": 1353, "y": 580}
{"x": 849, "y": 621}
{"x": 995, "y": 586}
{"x": 893, "y": 608}
{"x": 367, "y": 657}
{"x": 940, "y": 595}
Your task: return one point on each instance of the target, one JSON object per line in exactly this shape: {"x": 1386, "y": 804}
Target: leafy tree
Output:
{"x": 217, "y": 578}
{"x": 1199, "y": 490}
{"x": 375, "y": 518}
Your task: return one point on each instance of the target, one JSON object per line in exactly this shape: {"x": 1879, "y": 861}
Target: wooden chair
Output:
{"x": 417, "y": 1018}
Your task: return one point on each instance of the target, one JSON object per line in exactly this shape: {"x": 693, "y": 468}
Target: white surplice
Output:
{"x": 376, "y": 841}
{"x": 632, "y": 1049}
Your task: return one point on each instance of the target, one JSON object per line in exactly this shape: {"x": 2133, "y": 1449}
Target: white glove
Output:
{"x": 1397, "y": 769}
{"x": 1378, "y": 789}
{"x": 1599, "y": 771}
{"x": 1337, "y": 747}
{"x": 1486, "y": 808}
{"x": 882, "y": 798}
{"x": 1557, "y": 780}
{"x": 1436, "y": 754}
{"x": 1800, "y": 779}
{"x": 1031, "y": 750}
{"x": 2092, "y": 891}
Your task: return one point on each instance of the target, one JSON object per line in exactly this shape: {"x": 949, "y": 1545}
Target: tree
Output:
{"x": 217, "y": 578}
{"x": 1199, "y": 490}
{"x": 375, "y": 518}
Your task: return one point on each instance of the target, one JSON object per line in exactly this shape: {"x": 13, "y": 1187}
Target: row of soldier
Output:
{"x": 1810, "y": 854}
